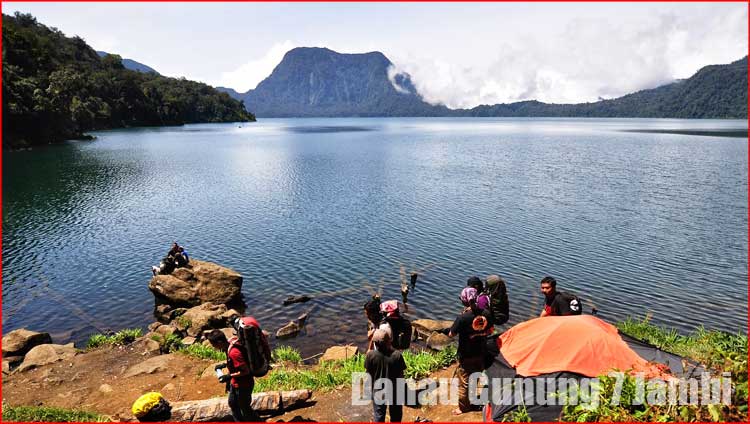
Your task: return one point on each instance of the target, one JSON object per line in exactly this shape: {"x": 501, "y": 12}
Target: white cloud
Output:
{"x": 588, "y": 59}
{"x": 248, "y": 75}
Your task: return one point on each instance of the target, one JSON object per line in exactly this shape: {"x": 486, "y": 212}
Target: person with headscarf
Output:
{"x": 472, "y": 327}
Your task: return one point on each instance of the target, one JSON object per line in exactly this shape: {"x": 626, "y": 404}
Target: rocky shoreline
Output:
{"x": 189, "y": 302}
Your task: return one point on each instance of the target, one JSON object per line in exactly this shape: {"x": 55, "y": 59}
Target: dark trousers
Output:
{"x": 239, "y": 402}
{"x": 378, "y": 412}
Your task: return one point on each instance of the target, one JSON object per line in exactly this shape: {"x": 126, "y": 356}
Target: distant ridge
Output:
{"x": 132, "y": 64}
{"x": 320, "y": 82}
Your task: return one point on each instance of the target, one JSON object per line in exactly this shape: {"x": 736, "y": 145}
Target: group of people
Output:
{"x": 485, "y": 305}
{"x": 176, "y": 257}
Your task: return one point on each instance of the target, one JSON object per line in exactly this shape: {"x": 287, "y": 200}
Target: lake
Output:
{"x": 632, "y": 218}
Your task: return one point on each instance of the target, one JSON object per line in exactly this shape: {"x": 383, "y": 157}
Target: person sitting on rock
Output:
{"x": 181, "y": 258}
{"x": 166, "y": 266}
{"x": 174, "y": 250}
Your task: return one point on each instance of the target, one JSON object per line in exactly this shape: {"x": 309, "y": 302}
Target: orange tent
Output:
{"x": 581, "y": 344}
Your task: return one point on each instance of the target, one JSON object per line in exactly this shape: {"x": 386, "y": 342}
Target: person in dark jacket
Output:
{"x": 499, "y": 304}
{"x": 385, "y": 362}
{"x": 472, "y": 328}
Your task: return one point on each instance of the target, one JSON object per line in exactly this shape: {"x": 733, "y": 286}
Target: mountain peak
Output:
{"x": 316, "y": 81}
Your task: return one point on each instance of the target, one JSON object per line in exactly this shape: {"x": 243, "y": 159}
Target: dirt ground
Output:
{"x": 95, "y": 381}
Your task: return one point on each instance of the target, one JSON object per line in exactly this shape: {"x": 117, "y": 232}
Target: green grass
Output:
{"x": 422, "y": 364}
{"x": 125, "y": 336}
{"x": 717, "y": 351}
{"x": 47, "y": 414}
{"x": 199, "y": 351}
{"x": 286, "y": 354}
{"x": 711, "y": 348}
{"x": 329, "y": 375}
{"x": 169, "y": 343}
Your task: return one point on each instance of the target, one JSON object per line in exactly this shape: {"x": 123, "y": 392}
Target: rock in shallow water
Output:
{"x": 198, "y": 283}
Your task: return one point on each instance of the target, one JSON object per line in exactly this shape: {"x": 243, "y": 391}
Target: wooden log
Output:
{"x": 217, "y": 409}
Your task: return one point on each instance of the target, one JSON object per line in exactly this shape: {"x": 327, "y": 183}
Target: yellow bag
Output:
{"x": 143, "y": 404}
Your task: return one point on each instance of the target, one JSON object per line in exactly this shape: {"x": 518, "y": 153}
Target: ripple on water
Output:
{"x": 649, "y": 222}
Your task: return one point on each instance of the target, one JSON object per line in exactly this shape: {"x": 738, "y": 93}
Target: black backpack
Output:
{"x": 401, "y": 331}
{"x": 571, "y": 305}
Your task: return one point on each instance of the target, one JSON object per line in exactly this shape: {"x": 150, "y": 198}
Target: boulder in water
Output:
{"x": 296, "y": 299}
{"x": 20, "y": 341}
{"x": 201, "y": 282}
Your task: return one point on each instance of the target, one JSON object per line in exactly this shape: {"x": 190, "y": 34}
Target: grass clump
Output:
{"x": 121, "y": 337}
{"x": 717, "y": 351}
{"x": 325, "y": 376}
{"x": 48, "y": 414}
{"x": 286, "y": 354}
{"x": 200, "y": 351}
{"x": 169, "y": 343}
{"x": 329, "y": 375}
{"x": 422, "y": 364}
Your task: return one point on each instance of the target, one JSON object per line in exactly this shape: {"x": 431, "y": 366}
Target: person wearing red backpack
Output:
{"x": 240, "y": 379}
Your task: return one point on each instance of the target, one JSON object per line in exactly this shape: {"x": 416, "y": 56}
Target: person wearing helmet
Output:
{"x": 472, "y": 327}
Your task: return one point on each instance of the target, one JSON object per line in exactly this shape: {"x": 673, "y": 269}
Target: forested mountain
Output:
{"x": 321, "y": 82}
{"x": 57, "y": 88}
{"x": 131, "y": 64}
{"x": 716, "y": 91}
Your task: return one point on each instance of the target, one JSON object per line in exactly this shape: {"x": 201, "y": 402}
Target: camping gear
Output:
{"x": 151, "y": 407}
{"x": 254, "y": 345}
{"x": 566, "y": 347}
{"x": 572, "y": 305}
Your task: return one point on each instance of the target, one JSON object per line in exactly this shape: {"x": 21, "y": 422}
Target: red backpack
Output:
{"x": 254, "y": 345}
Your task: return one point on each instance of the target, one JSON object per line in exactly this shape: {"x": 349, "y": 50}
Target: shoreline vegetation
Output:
{"x": 717, "y": 351}
{"x": 57, "y": 88}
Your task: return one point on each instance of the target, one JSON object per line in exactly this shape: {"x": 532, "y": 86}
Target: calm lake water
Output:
{"x": 632, "y": 222}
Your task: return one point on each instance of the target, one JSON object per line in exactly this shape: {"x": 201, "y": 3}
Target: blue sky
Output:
{"x": 460, "y": 54}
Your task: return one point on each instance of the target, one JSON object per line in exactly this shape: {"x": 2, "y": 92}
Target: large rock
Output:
{"x": 200, "y": 318}
{"x": 151, "y": 365}
{"x": 217, "y": 409}
{"x": 430, "y": 325}
{"x": 438, "y": 341}
{"x": 46, "y": 354}
{"x": 337, "y": 353}
{"x": 18, "y": 342}
{"x": 200, "y": 283}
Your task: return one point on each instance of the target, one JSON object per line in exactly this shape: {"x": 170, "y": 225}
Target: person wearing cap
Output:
{"x": 385, "y": 362}
{"x": 472, "y": 327}
{"x": 499, "y": 304}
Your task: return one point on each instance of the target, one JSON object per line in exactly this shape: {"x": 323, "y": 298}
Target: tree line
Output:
{"x": 57, "y": 88}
